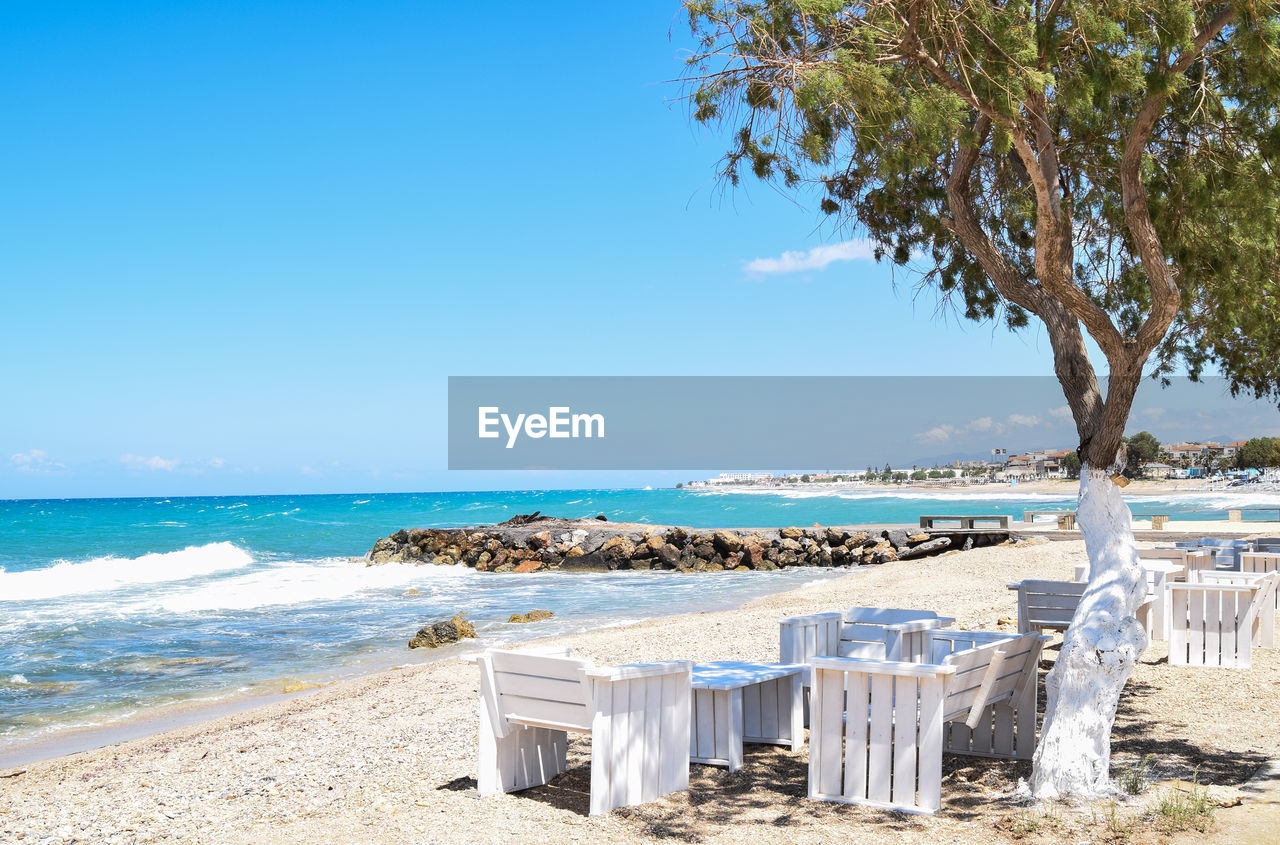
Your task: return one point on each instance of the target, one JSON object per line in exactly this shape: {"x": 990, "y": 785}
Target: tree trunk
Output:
{"x": 1098, "y": 653}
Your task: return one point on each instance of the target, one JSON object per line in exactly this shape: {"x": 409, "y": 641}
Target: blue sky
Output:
{"x": 243, "y": 245}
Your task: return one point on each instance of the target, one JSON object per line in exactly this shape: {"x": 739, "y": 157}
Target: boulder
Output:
{"x": 528, "y": 565}
{"x": 753, "y": 556}
{"x": 792, "y": 533}
{"x": 531, "y": 616}
{"x": 668, "y": 555}
{"x": 442, "y": 633}
{"x": 539, "y": 540}
{"x": 923, "y": 549}
{"x": 897, "y": 538}
{"x": 677, "y": 537}
{"x": 726, "y": 542}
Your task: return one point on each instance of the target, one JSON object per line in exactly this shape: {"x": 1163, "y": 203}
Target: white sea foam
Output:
{"x": 20, "y": 680}
{"x": 291, "y": 583}
{"x": 105, "y": 574}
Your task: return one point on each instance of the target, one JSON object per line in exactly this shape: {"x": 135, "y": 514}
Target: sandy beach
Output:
{"x": 390, "y": 757}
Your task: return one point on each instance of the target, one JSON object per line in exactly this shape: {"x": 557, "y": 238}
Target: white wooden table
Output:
{"x": 737, "y": 702}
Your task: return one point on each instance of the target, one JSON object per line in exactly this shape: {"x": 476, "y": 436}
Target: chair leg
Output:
{"x": 524, "y": 758}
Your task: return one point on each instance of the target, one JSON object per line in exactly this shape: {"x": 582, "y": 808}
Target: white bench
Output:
{"x": 878, "y": 728}
{"x": 1218, "y": 617}
{"x": 638, "y": 718}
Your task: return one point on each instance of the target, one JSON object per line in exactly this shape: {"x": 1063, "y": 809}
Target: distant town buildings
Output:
{"x": 1178, "y": 460}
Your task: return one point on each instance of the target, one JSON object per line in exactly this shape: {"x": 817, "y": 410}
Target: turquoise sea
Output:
{"x": 114, "y": 607}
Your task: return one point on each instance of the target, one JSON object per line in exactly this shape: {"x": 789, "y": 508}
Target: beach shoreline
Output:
{"x": 390, "y": 756}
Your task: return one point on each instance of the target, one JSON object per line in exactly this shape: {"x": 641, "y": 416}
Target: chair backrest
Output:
{"x": 1266, "y": 544}
{"x": 1047, "y": 604}
{"x": 857, "y": 632}
{"x": 1259, "y": 562}
{"x": 531, "y": 688}
{"x": 863, "y": 629}
{"x": 1175, "y": 555}
{"x": 1213, "y": 623}
{"x": 803, "y": 637}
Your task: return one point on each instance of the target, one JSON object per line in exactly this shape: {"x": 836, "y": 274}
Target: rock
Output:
{"x": 792, "y": 533}
{"x": 726, "y": 542}
{"x": 668, "y": 555}
{"x": 528, "y": 566}
{"x": 655, "y": 542}
{"x": 896, "y": 537}
{"x": 791, "y": 545}
{"x": 753, "y": 556}
{"x": 531, "y": 616}
{"x": 616, "y": 550}
{"x": 835, "y": 536}
{"x": 411, "y": 592}
{"x": 919, "y": 538}
{"x": 677, "y": 537}
{"x": 589, "y": 562}
{"x": 1006, "y": 622}
{"x": 443, "y": 633}
{"x": 601, "y": 517}
{"x": 539, "y": 540}
{"x": 923, "y": 549}
{"x": 576, "y": 551}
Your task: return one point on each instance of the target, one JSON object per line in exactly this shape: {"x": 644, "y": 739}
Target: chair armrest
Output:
{"x": 641, "y": 670}
{"x": 921, "y": 625}
{"x": 808, "y": 620}
{"x": 1016, "y": 586}
{"x": 882, "y": 667}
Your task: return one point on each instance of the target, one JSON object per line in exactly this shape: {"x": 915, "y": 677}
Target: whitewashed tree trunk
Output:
{"x": 1098, "y": 654}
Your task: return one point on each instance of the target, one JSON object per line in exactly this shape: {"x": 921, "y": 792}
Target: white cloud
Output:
{"x": 815, "y": 259}
{"x": 938, "y": 434}
{"x": 1062, "y": 412}
{"x": 152, "y": 463}
{"x": 981, "y": 425}
{"x": 34, "y": 460}
{"x": 217, "y": 463}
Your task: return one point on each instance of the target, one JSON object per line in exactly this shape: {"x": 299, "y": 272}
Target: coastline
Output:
{"x": 389, "y": 756}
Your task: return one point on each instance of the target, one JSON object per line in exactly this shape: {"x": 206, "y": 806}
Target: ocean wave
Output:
{"x": 105, "y": 574}
{"x": 294, "y": 582}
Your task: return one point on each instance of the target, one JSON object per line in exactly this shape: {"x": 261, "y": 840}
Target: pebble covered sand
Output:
{"x": 389, "y": 757}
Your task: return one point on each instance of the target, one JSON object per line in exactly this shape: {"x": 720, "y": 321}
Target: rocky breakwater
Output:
{"x": 538, "y": 543}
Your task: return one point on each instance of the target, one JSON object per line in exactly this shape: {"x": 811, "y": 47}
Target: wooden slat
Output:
{"x": 1178, "y": 613}
{"x": 526, "y": 663}
{"x": 620, "y": 744}
{"x": 602, "y": 749}
{"x": 518, "y": 708}
{"x": 533, "y": 686}
{"x": 828, "y": 700}
{"x": 1195, "y": 629}
{"x": 705, "y": 723}
{"x": 855, "y": 738}
{"x": 723, "y": 720}
{"x": 930, "y": 755}
{"x": 905, "y": 741}
{"x": 881, "y": 737}
{"x": 763, "y": 710}
{"x": 673, "y": 734}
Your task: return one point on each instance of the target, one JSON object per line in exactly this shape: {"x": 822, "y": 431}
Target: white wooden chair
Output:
{"x": 1050, "y": 605}
{"x": 870, "y": 632}
{"x": 1261, "y": 562}
{"x": 1218, "y": 617}
{"x": 638, "y": 718}
{"x": 878, "y": 728}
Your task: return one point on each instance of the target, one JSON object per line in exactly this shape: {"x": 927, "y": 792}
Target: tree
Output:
{"x": 1071, "y": 463}
{"x": 804, "y": 479}
{"x": 1259, "y": 453}
{"x": 1108, "y": 169}
{"x": 1140, "y": 449}
{"x": 919, "y": 475}
{"x": 679, "y": 485}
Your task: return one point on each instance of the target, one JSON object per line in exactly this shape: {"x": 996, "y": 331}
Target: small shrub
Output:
{"x": 1179, "y": 810}
{"x": 1133, "y": 778}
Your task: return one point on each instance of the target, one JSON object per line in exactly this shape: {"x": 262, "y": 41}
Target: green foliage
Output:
{"x": 919, "y": 475}
{"x": 804, "y": 479}
{"x": 1258, "y": 453}
{"x": 1071, "y": 463}
{"x": 1139, "y": 449}
{"x": 866, "y": 106}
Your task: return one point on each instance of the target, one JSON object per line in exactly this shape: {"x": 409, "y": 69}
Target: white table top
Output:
{"x": 732, "y": 674}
